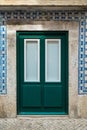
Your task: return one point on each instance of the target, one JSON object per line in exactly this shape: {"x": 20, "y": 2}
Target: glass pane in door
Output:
{"x": 53, "y": 60}
{"x": 31, "y": 60}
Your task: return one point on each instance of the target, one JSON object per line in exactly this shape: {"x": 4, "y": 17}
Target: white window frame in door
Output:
{"x": 46, "y": 42}
{"x": 25, "y": 42}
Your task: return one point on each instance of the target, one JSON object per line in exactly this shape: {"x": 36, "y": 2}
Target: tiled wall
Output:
{"x": 3, "y": 57}
{"x": 41, "y": 15}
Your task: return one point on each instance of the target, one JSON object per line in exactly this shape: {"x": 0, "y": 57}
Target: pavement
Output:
{"x": 35, "y": 123}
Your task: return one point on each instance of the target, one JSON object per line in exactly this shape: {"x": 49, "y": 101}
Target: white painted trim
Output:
{"x": 38, "y": 42}
{"x": 59, "y": 42}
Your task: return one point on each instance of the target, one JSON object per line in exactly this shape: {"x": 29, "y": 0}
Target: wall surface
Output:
{"x": 77, "y": 103}
{"x": 8, "y": 105}
{"x": 45, "y": 2}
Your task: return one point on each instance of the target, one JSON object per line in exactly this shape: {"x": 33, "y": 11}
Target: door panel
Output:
{"x": 52, "y": 96}
{"x": 42, "y": 72}
{"x": 31, "y": 96}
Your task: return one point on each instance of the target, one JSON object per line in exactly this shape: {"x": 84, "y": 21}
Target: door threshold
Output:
{"x": 43, "y": 116}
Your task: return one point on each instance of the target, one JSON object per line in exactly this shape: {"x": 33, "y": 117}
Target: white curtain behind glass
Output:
{"x": 32, "y": 59}
{"x": 53, "y": 60}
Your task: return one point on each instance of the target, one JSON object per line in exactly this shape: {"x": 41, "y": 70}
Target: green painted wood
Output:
{"x": 53, "y": 96}
{"x": 31, "y": 95}
{"x": 42, "y": 98}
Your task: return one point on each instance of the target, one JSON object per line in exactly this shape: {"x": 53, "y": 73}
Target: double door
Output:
{"x": 42, "y": 72}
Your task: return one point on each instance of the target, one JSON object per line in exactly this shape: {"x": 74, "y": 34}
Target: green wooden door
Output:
{"x": 42, "y": 72}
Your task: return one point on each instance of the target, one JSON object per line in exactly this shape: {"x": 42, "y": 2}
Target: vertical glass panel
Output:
{"x": 31, "y": 60}
{"x": 52, "y": 63}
